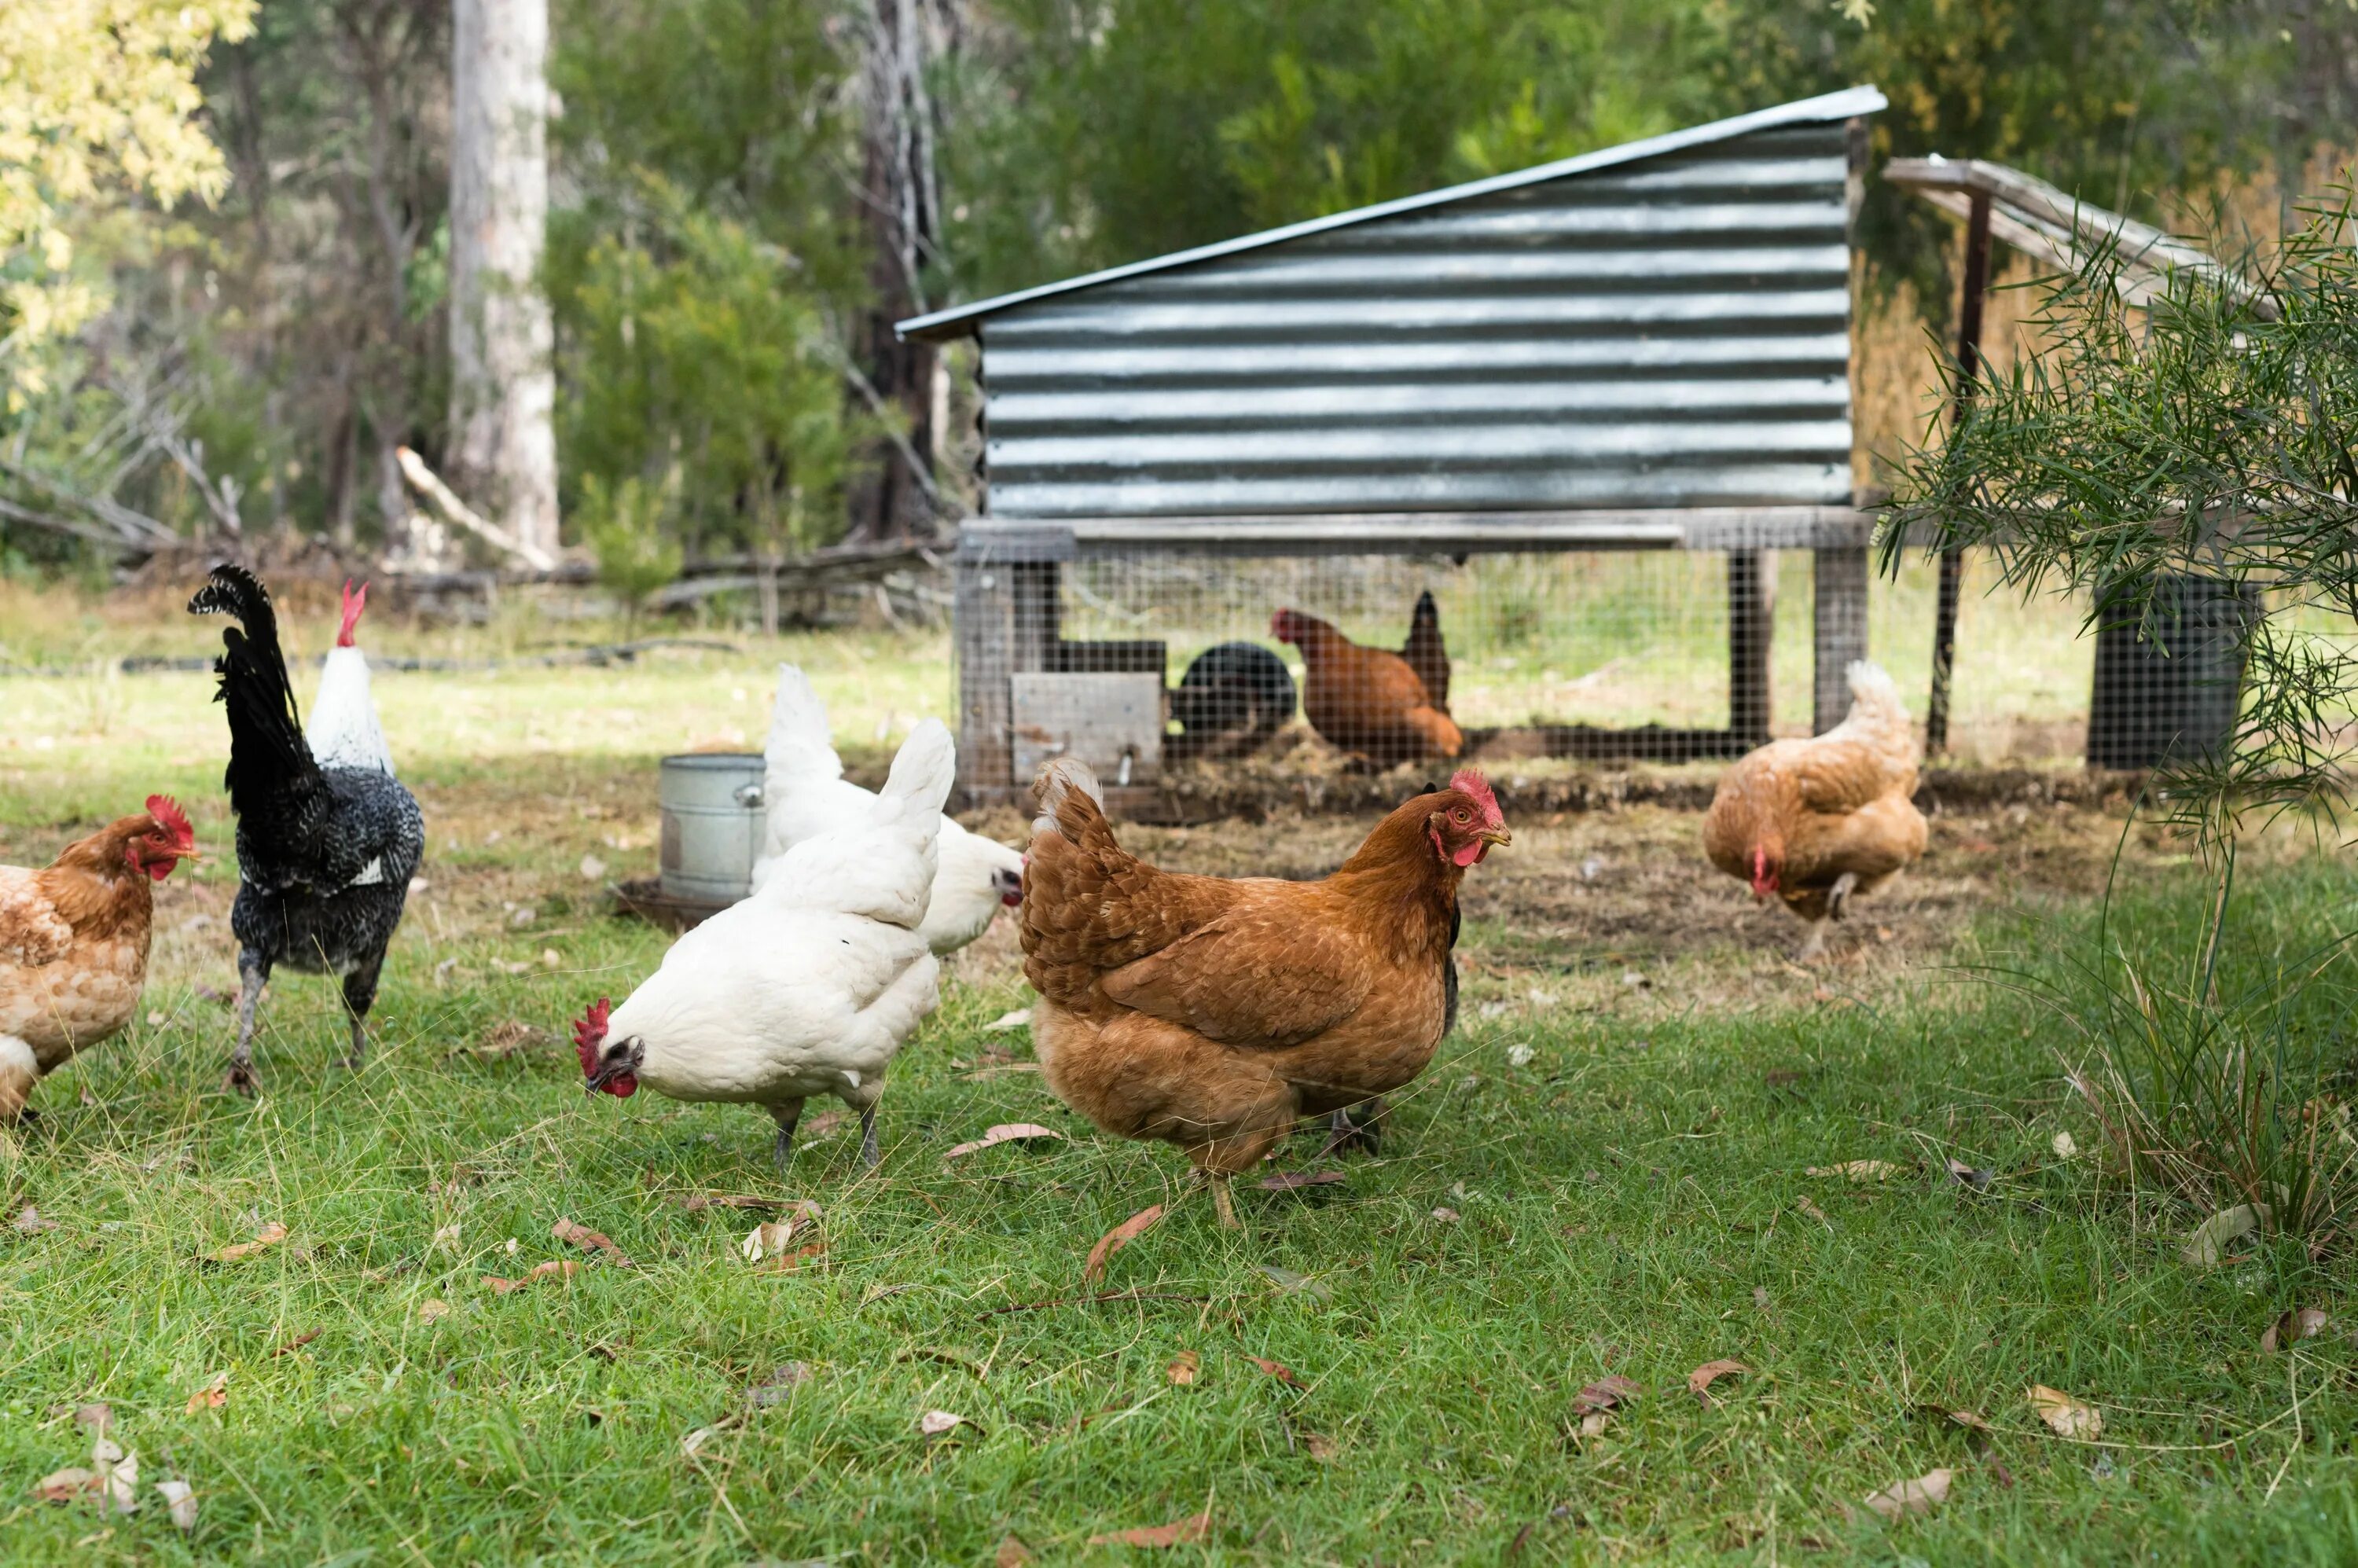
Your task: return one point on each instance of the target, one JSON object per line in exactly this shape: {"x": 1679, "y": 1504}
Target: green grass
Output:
{"x": 1631, "y": 1200}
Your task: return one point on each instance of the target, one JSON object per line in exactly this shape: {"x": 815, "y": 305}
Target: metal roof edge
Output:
{"x": 941, "y": 326}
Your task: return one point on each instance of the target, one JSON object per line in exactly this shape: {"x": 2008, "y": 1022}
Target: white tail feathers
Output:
{"x": 1057, "y": 777}
{"x": 922, "y": 772}
{"x": 1877, "y": 717}
{"x": 799, "y": 749}
{"x": 1871, "y": 686}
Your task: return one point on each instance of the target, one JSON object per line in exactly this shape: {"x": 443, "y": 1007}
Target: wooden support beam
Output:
{"x": 1953, "y": 562}
{"x": 1751, "y": 615}
{"x": 1838, "y": 635}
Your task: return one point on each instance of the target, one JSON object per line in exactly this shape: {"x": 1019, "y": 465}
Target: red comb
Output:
{"x": 589, "y": 1032}
{"x": 1465, "y": 780}
{"x": 353, "y": 604}
{"x": 172, "y": 819}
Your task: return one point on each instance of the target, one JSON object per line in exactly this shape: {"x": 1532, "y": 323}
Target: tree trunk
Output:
{"x": 887, "y": 501}
{"x": 503, "y": 457}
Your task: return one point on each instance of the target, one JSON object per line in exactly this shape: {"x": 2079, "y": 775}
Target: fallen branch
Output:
{"x": 134, "y": 529}
{"x": 427, "y": 484}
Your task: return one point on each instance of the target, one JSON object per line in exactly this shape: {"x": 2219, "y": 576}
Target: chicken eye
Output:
{"x": 1459, "y": 814}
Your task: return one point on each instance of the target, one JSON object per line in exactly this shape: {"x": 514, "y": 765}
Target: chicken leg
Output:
{"x": 360, "y": 995}
{"x": 252, "y": 976}
{"x": 1343, "y": 1133}
{"x": 787, "y": 1114}
{"x": 19, "y": 1071}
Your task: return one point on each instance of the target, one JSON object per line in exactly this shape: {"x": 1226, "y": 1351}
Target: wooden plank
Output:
{"x": 1039, "y": 614}
{"x": 984, "y": 615}
{"x": 1953, "y": 562}
{"x": 1838, "y": 631}
{"x": 1751, "y": 617}
{"x": 1112, "y": 722}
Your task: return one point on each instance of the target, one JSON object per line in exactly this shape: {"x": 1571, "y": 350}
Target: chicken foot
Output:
{"x": 787, "y": 1115}
{"x": 1223, "y": 1204}
{"x": 1343, "y": 1133}
{"x": 870, "y": 1155}
{"x": 19, "y": 1071}
{"x": 251, "y": 977}
{"x": 1815, "y": 947}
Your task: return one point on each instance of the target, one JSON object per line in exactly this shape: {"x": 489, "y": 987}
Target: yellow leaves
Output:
{"x": 97, "y": 102}
{"x": 1183, "y": 1369}
{"x": 2066, "y": 1416}
{"x": 557, "y": 1268}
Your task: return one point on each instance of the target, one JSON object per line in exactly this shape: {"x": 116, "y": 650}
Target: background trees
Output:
{"x": 744, "y": 195}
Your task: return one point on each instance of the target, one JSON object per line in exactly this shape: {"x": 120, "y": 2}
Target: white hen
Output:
{"x": 807, "y": 794}
{"x": 809, "y": 986}
{"x": 343, "y": 731}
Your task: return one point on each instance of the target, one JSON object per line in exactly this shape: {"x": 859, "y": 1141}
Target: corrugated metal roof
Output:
{"x": 1831, "y": 107}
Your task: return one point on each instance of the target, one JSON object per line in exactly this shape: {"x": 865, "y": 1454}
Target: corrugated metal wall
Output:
{"x": 1670, "y": 333}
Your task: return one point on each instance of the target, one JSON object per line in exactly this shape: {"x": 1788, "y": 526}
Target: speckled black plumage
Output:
{"x": 324, "y": 856}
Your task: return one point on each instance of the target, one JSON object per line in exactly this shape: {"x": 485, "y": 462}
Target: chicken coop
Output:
{"x": 1533, "y": 467}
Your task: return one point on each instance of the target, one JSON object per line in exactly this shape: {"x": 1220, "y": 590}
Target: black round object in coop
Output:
{"x": 1231, "y": 702}
{"x": 2168, "y": 687}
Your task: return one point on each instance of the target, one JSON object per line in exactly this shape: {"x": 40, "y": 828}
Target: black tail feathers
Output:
{"x": 270, "y": 764}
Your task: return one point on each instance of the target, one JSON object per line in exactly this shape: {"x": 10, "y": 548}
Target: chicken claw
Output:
{"x": 1343, "y": 1133}
{"x": 870, "y": 1155}
{"x": 240, "y": 1078}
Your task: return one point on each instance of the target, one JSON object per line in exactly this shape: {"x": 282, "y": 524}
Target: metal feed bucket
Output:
{"x": 712, "y": 821}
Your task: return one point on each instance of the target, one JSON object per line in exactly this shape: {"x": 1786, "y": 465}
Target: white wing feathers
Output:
{"x": 808, "y": 796}
{"x": 811, "y": 985}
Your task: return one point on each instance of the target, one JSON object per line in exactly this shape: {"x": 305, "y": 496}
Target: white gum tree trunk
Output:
{"x": 502, "y": 455}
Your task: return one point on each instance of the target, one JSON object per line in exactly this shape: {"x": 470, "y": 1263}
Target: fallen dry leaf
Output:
{"x": 2205, "y": 1245}
{"x": 1120, "y": 1237}
{"x": 2067, "y": 1416}
{"x": 1977, "y": 1178}
{"x": 2066, "y": 1147}
{"x": 29, "y": 1221}
{"x": 1184, "y": 1367}
{"x": 1921, "y": 1495}
{"x": 446, "y": 1238}
{"x": 1019, "y": 1019}
{"x": 97, "y": 1420}
{"x": 1760, "y": 1297}
{"x": 1963, "y": 1418}
{"x": 1320, "y": 1447}
{"x": 1700, "y": 1380}
{"x": 562, "y": 1267}
{"x": 1011, "y": 1552}
{"x": 1445, "y": 1215}
{"x": 2292, "y": 1327}
{"x": 1277, "y": 1369}
{"x": 65, "y": 1486}
{"x": 1594, "y": 1422}
{"x": 297, "y": 1343}
{"x": 933, "y": 1423}
{"x": 581, "y": 1236}
{"x": 697, "y": 1202}
{"x": 269, "y": 1235}
{"x": 213, "y": 1396}
{"x": 118, "y": 1474}
{"x": 1812, "y": 1210}
{"x": 823, "y": 1125}
{"x": 1179, "y": 1533}
{"x": 1605, "y": 1394}
{"x": 1287, "y": 1180}
{"x": 1859, "y": 1170}
{"x": 773, "y": 1237}
{"x": 433, "y": 1311}
{"x": 180, "y": 1502}
{"x": 1005, "y": 1132}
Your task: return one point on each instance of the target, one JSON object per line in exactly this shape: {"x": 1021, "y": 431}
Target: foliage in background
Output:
{"x": 98, "y": 106}
{"x": 700, "y": 265}
{"x": 2207, "y": 435}
{"x": 624, "y": 527}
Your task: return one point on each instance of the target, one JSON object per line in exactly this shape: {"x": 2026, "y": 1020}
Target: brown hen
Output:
{"x": 1367, "y": 701}
{"x": 1818, "y": 822}
{"x": 1211, "y": 1013}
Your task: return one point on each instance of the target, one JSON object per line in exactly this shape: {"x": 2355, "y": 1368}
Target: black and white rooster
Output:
{"x": 324, "y": 855}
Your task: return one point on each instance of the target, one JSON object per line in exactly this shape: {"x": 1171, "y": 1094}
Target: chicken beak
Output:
{"x": 1498, "y": 836}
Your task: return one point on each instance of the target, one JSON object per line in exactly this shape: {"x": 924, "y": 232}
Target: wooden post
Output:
{"x": 983, "y": 612}
{"x": 766, "y": 592}
{"x": 1953, "y": 562}
{"x": 1751, "y": 613}
{"x": 1838, "y": 591}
